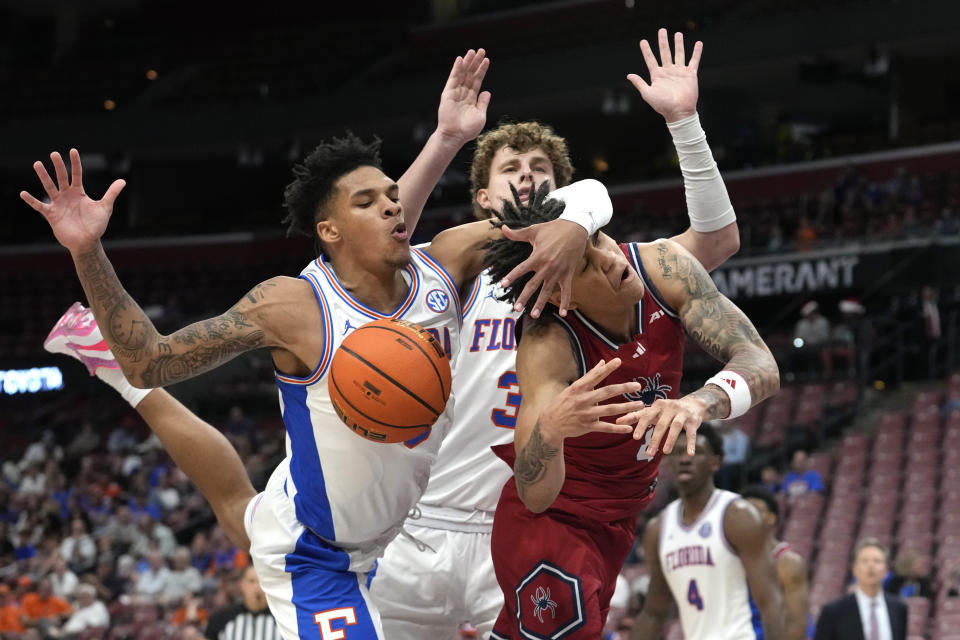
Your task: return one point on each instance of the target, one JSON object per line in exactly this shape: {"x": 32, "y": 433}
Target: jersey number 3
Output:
{"x": 693, "y": 596}
{"x": 507, "y": 418}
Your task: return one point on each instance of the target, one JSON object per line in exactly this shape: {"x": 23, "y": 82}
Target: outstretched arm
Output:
{"x": 750, "y": 374}
{"x": 745, "y": 531}
{"x": 460, "y": 118}
{"x": 792, "y": 574}
{"x": 658, "y": 606}
{"x": 557, "y": 406}
{"x": 673, "y": 92}
{"x": 148, "y": 358}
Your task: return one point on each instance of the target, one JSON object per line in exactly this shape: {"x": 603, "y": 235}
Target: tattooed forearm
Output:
{"x": 167, "y": 369}
{"x": 718, "y": 326}
{"x": 530, "y": 466}
{"x": 718, "y": 403}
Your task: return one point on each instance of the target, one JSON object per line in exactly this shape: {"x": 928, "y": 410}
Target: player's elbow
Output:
{"x": 535, "y": 499}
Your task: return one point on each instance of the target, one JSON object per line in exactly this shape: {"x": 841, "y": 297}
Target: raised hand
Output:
{"x": 669, "y": 418}
{"x": 463, "y": 107}
{"x": 77, "y": 221}
{"x": 577, "y": 409}
{"x": 673, "y": 88}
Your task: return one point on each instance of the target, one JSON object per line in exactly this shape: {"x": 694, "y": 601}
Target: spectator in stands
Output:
{"x": 930, "y": 313}
{"x": 123, "y": 530}
{"x": 154, "y": 535}
{"x": 121, "y": 439}
{"x": 79, "y": 549}
{"x": 868, "y": 612}
{"x": 736, "y": 448}
{"x": 152, "y": 583}
{"x": 911, "y": 576}
{"x": 33, "y": 481}
{"x": 110, "y": 584}
{"x": 90, "y": 612}
{"x": 184, "y": 579}
{"x": 9, "y": 612}
{"x": 801, "y": 479}
{"x": 85, "y": 441}
{"x": 811, "y": 339}
{"x": 63, "y": 581}
{"x": 251, "y": 612}
{"x": 238, "y": 424}
{"x": 7, "y": 550}
{"x": 42, "y": 610}
{"x": 770, "y": 479}
{"x": 845, "y": 334}
{"x": 191, "y": 613}
{"x": 200, "y": 555}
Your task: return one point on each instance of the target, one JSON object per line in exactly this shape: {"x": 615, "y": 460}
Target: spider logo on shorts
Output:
{"x": 541, "y": 602}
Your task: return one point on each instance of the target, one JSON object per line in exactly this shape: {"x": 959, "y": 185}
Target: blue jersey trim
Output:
{"x": 755, "y": 620}
{"x": 437, "y": 268}
{"x": 311, "y": 502}
{"x": 327, "y": 354}
{"x": 373, "y": 314}
{"x": 472, "y": 298}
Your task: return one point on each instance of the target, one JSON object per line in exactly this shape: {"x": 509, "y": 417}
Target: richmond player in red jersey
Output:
{"x": 565, "y": 521}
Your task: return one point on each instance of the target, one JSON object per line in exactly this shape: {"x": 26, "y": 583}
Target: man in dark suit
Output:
{"x": 868, "y": 613}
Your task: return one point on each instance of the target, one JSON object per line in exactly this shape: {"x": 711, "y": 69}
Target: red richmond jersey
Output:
{"x": 609, "y": 476}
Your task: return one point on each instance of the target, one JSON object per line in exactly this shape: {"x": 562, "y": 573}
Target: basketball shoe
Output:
{"x": 77, "y": 335}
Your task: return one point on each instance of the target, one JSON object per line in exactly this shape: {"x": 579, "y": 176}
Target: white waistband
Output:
{"x": 449, "y": 519}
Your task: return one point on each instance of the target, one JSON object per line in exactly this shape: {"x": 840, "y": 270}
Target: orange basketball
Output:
{"x": 389, "y": 380}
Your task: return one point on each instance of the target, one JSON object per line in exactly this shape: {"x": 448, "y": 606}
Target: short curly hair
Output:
{"x": 521, "y": 136}
{"x": 315, "y": 179}
{"x": 503, "y": 254}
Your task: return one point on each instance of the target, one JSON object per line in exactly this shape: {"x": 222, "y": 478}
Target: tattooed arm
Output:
{"x": 149, "y": 359}
{"x": 557, "y": 406}
{"x": 720, "y": 328}
{"x": 273, "y": 314}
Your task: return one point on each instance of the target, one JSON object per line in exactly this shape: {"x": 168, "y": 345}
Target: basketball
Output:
{"x": 389, "y": 381}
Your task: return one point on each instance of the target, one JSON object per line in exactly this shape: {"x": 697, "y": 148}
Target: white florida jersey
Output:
{"x": 350, "y": 491}
{"x": 705, "y": 575}
{"x": 467, "y": 476}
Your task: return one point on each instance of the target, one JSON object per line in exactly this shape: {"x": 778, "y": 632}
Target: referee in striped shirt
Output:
{"x": 248, "y": 619}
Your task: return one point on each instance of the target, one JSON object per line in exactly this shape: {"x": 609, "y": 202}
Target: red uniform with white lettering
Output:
{"x": 558, "y": 569}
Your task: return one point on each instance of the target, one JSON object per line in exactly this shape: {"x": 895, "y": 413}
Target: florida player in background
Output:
{"x": 710, "y": 552}
{"x": 565, "y": 522}
{"x": 443, "y": 573}
{"x": 791, "y": 567}
{"x": 336, "y": 500}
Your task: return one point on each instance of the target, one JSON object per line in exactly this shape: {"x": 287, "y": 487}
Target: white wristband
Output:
{"x": 116, "y": 379}
{"x": 587, "y": 203}
{"x": 708, "y": 203}
{"x": 736, "y": 388}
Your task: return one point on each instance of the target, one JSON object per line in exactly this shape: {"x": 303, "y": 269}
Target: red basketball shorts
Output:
{"x": 557, "y": 572}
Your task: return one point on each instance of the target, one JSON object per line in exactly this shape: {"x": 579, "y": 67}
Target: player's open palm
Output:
{"x": 669, "y": 418}
{"x": 672, "y": 90}
{"x": 77, "y": 220}
{"x": 463, "y": 107}
{"x": 577, "y": 409}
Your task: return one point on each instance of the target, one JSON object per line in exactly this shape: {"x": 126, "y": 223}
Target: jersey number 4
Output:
{"x": 507, "y": 418}
{"x": 693, "y": 596}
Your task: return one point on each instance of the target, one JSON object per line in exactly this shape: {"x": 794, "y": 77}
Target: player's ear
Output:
{"x": 328, "y": 232}
{"x": 483, "y": 199}
{"x": 554, "y": 299}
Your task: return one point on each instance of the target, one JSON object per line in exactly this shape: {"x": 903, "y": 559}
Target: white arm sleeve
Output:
{"x": 708, "y": 203}
{"x": 587, "y": 203}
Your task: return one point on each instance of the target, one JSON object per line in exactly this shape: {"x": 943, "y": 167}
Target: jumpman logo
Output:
{"x": 347, "y": 327}
{"x": 492, "y": 295}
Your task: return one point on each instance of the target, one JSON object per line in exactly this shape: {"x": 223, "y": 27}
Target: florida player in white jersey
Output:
{"x": 708, "y": 551}
{"x": 443, "y": 574}
{"x": 791, "y": 567}
{"x": 314, "y": 534}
